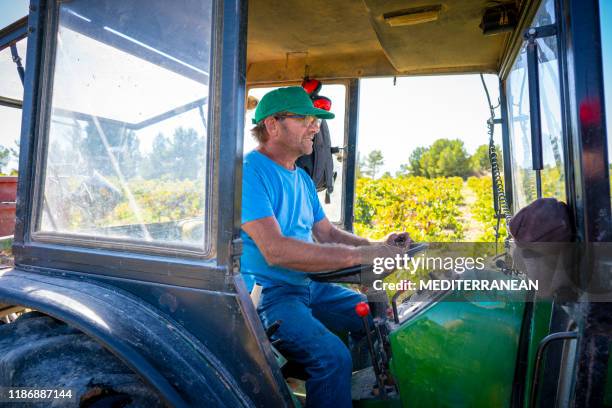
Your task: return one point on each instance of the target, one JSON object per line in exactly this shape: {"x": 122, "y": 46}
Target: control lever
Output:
{"x": 363, "y": 310}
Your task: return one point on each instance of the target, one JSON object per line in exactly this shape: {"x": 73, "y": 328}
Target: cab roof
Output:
{"x": 290, "y": 39}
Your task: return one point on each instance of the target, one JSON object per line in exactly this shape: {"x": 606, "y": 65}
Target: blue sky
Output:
{"x": 12, "y": 10}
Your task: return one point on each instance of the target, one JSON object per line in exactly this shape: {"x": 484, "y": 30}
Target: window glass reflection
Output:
{"x": 553, "y": 173}
{"x": 127, "y": 145}
{"x": 523, "y": 177}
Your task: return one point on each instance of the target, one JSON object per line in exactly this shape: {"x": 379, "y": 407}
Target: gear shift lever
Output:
{"x": 363, "y": 310}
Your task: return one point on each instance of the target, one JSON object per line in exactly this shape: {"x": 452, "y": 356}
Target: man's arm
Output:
{"x": 326, "y": 232}
{"x": 291, "y": 253}
{"x": 279, "y": 250}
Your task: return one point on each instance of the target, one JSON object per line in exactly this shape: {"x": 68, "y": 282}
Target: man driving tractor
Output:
{"x": 287, "y": 236}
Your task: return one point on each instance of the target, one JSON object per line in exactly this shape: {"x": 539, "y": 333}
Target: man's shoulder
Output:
{"x": 251, "y": 157}
{"x": 256, "y": 168}
{"x": 256, "y": 159}
{"x": 306, "y": 179}
{"x": 254, "y": 163}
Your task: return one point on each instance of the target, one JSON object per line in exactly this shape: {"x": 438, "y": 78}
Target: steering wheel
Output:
{"x": 355, "y": 274}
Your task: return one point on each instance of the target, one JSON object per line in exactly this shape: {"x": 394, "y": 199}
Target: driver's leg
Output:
{"x": 306, "y": 341}
{"x": 334, "y": 305}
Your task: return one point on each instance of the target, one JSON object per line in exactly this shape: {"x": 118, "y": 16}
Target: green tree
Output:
{"x": 403, "y": 171}
{"x": 414, "y": 162}
{"x": 480, "y": 161}
{"x": 445, "y": 158}
{"x": 188, "y": 151}
{"x": 15, "y": 156}
{"x": 373, "y": 162}
{"x": 158, "y": 161}
{"x": 62, "y": 156}
{"x": 123, "y": 145}
{"x": 15, "y": 150}
{"x": 5, "y": 156}
{"x": 180, "y": 158}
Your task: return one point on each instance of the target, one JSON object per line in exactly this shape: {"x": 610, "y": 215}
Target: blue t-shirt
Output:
{"x": 269, "y": 189}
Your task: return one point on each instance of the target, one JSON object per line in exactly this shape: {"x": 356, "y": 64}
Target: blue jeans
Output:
{"x": 306, "y": 313}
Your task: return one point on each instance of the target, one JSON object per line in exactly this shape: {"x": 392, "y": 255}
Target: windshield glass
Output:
{"x": 126, "y": 155}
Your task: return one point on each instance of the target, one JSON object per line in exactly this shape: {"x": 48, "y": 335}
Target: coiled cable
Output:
{"x": 499, "y": 195}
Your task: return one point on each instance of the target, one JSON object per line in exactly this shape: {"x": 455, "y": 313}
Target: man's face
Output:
{"x": 297, "y": 134}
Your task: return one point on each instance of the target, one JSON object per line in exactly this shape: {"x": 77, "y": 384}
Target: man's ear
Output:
{"x": 271, "y": 125}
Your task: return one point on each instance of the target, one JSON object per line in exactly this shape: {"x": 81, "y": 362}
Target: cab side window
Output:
{"x": 552, "y": 176}
{"x": 126, "y": 157}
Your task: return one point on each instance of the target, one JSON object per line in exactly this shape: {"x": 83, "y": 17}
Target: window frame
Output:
{"x": 163, "y": 265}
{"x": 345, "y": 217}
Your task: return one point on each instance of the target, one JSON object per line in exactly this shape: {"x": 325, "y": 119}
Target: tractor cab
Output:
{"x": 133, "y": 122}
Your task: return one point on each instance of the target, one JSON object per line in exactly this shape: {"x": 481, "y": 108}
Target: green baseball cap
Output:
{"x": 292, "y": 99}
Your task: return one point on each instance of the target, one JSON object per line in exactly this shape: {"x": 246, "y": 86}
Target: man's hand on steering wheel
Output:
{"x": 379, "y": 250}
{"x": 394, "y": 245}
{"x": 399, "y": 239}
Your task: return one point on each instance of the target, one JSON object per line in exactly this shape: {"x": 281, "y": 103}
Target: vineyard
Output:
{"x": 94, "y": 206}
{"x": 483, "y": 210}
{"x": 159, "y": 201}
{"x": 427, "y": 208}
{"x": 430, "y": 210}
